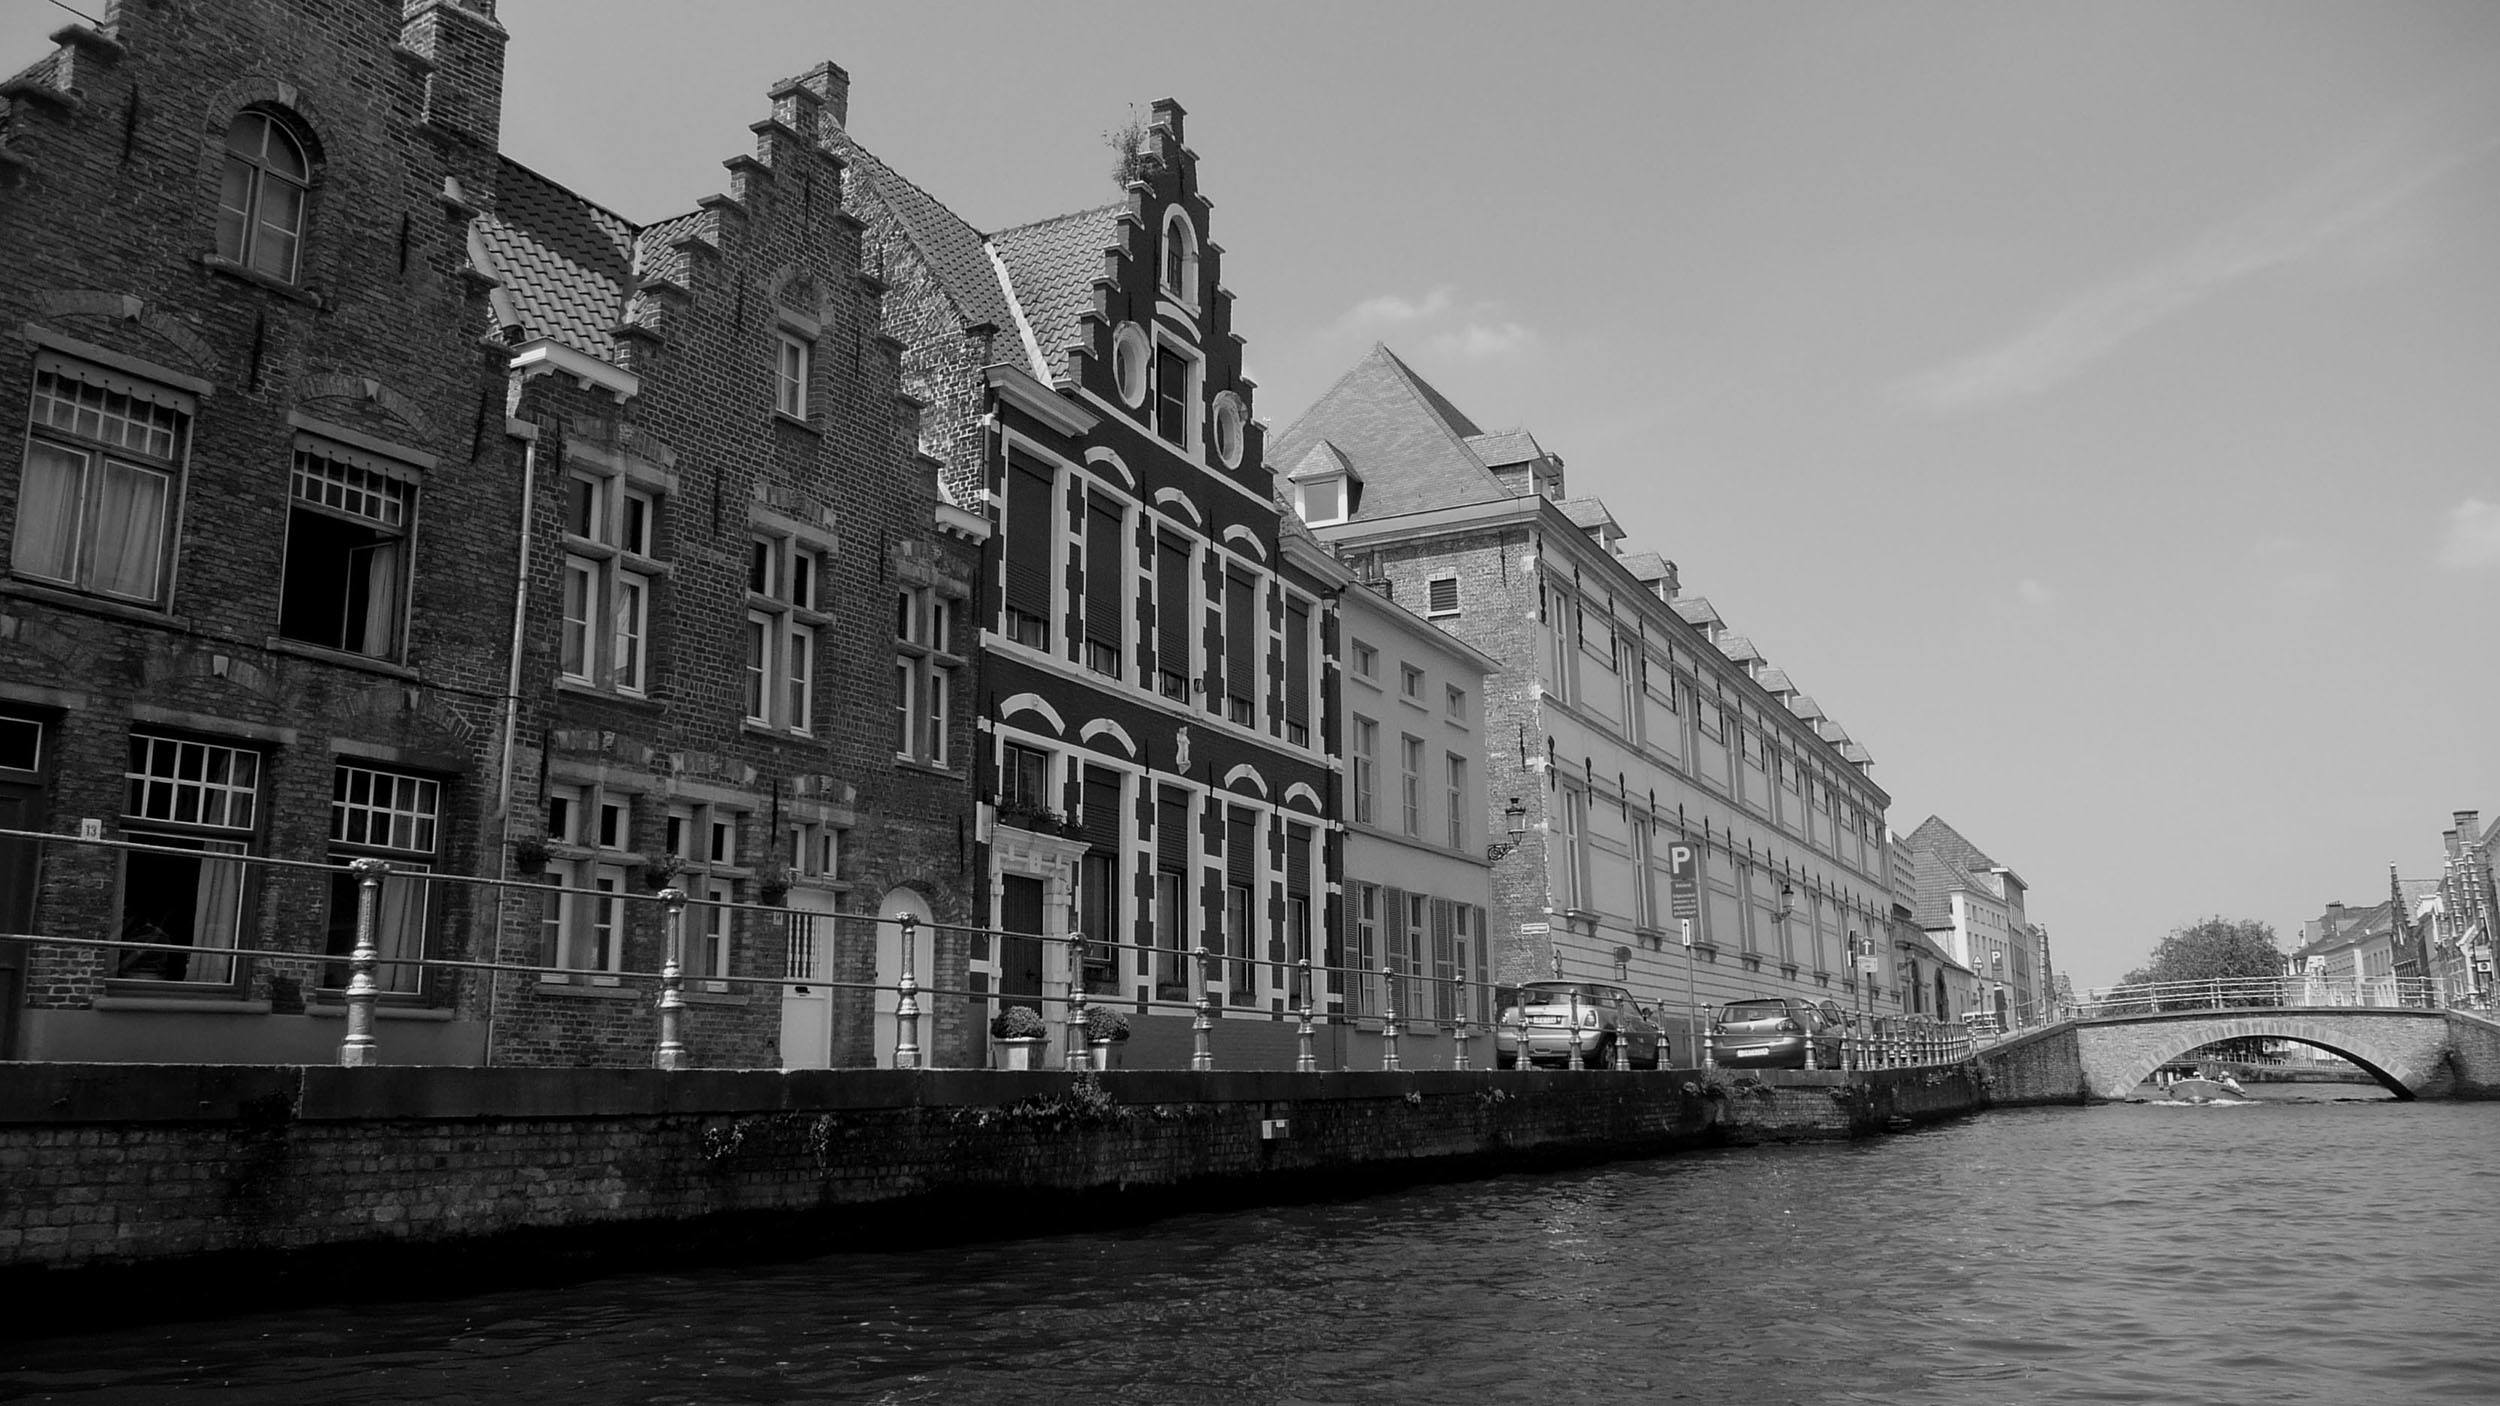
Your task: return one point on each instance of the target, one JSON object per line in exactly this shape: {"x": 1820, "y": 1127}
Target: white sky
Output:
{"x": 2093, "y": 406}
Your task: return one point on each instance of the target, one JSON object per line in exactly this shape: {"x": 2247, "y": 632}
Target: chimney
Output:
{"x": 2470, "y": 824}
{"x": 464, "y": 46}
{"x": 820, "y": 96}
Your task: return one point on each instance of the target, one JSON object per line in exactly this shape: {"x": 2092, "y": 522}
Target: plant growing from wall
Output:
{"x": 1132, "y": 149}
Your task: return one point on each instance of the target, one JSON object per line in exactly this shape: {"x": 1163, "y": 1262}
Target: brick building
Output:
{"x": 735, "y": 543}
{"x": 257, "y": 524}
{"x": 413, "y": 506}
{"x": 1153, "y": 765}
{"x": 2469, "y": 905}
{"x": 1624, "y": 716}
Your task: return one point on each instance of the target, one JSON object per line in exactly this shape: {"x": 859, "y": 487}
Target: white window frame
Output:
{"x": 190, "y": 793}
{"x": 794, "y": 362}
{"x": 927, "y": 674}
{"x": 94, "y": 423}
{"x": 254, "y": 228}
{"x": 1364, "y": 748}
{"x": 604, "y": 633}
{"x": 409, "y": 837}
{"x": 780, "y": 643}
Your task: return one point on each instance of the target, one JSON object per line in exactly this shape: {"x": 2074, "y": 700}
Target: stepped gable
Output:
{"x": 1406, "y": 439}
{"x": 1052, "y": 266}
{"x": 565, "y": 262}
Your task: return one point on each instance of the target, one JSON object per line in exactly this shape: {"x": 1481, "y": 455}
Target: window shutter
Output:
{"x": 1241, "y": 637}
{"x": 1172, "y": 829}
{"x": 1104, "y": 568}
{"x": 1171, "y": 605}
{"x": 1298, "y": 663}
{"x": 1442, "y": 596}
{"x": 1298, "y": 860}
{"x": 1030, "y": 527}
{"x": 1102, "y": 808}
{"x": 1393, "y": 931}
{"x": 1241, "y": 838}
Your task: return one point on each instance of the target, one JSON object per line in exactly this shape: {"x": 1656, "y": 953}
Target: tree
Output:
{"x": 2216, "y": 949}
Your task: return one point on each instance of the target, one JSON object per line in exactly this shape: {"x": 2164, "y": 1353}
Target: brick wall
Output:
{"x": 120, "y": 1165}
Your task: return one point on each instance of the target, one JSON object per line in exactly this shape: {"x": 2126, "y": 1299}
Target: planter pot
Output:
{"x": 1023, "y": 1053}
{"x": 1106, "y": 1053}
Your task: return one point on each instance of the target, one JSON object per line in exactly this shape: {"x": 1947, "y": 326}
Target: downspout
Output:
{"x": 512, "y": 705}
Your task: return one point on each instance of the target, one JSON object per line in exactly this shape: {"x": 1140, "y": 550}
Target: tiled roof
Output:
{"x": 1505, "y": 447}
{"x": 565, "y": 262}
{"x": 1053, "y": 264}
{"x": 1943, "y": 862}
{"x": 1405, "y": 439}
{"x": 1646, "y": 567}
{"x": 953, "y": 249}
{"x": 1586, "y": 513}
{"x": 1805, "y": 707}
{"x": 1324, "y": 460}
{"x": 1775, "y": 681}
{"x": 1738, "y": 648}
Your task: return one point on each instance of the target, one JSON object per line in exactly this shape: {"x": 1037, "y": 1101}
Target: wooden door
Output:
{"x": 1020, "y": 948}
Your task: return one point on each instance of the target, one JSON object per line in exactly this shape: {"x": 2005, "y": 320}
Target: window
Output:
{"x": 1032, "y": 533}
{"x": 1454, "y": 703}
{"x": 1175, "y": 395}
{"x": 1106, "y": 585}
{"x": 1229, "y": 421}
{"x": 1024, "y": 780}
{"x": 1565, "y": 666}
{"x": 608, "y": 569}
{"x": 582, "y": 921}
{"x": 1574, "y": 875}
{"x": 1174, "y": 612}
{"x": 260, "y": 207}
{"x": 1441, "y": 596}
{"x": 781, "y": 628}
{"x": 1458, "y": 801}
{"x": 1411, "y": 682}
{"x": 1644, "y": 874}
{"x": 925, "y": 666}
{"x": 390, "y": 816}
{"x": 1322, "y": 501}
{"x": 1363, "y": 985}
{"x": 1241, "y": 880}
{"x": 1243, "y": 634}
{"x": 1298, "y": 673}
{"x": 1366, "y": 661}
{"x": 715, "y": 927}
{"x": 1411, "y": 783}
{"x": 1180, "y": 256}
{"x": 793, "y": 356}
{"x": 102, "y": 477}
{"x": 347, "y": 554}
{"x": 1130, "y": 356}
{"x": 1366, "y": 766}
{"x": 201, "y": 798}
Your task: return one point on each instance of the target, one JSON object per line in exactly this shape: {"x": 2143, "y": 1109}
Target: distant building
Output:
{"x": 2462, "y": 934}
{"x": 1627, "y": 720}
{"x": 1973, "y": 907}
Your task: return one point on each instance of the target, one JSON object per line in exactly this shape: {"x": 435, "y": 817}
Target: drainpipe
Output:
{"x": 512, "y": 712}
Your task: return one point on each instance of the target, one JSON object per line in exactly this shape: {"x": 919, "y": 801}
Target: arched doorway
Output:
{"x": 896, "y": 903}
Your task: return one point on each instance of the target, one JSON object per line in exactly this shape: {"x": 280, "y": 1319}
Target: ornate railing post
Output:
{"x": 1388, "y": 1017}
{"x": 1202, "y": 1025}
{"x": 357, "y": 1050}
{"x": 907, "y": 999}
{"x": 1305, "y": 1058}
{"x": 672, "y": 1051}
{"x": 1572, "y": 1058}
{"x": 1080, "y": 1049}
{"x": 1458, "y": 1031}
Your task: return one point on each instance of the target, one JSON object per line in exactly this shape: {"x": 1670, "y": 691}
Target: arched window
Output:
{"x": 260, "y": 210}
{"x": 1180, "y": 257}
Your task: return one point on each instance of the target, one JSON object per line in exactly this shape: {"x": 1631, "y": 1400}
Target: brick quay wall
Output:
{"x": 113, "y": 1173}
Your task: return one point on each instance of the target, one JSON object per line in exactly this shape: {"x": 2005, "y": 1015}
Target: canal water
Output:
{"x": 2301, "y": 1249}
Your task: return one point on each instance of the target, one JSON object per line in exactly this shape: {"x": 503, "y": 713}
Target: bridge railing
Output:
{"x": 2258, "y": 992}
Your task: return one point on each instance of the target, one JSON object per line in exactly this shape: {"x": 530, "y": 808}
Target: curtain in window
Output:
{"x": 378, "y": 633}
{"x": 49, "y": 495}
{"x": 399, "y": 932}
{"x": 217, "y": 912}
{"x": 130, "y": 531}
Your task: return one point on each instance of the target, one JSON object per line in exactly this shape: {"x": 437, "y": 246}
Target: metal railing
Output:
{"x": 2241, "y": 993}
{"x": 369, "y": 976}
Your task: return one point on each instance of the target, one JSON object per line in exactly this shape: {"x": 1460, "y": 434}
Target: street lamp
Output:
{"x": 1515, "y": 818}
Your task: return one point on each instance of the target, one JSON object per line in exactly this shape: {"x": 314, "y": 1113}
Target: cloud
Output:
{"x": 2298, "y": 223}
{"x": 2030, "y": 591}
{"x": 2472, "y": 540}
{"x": 1447, "y": 326}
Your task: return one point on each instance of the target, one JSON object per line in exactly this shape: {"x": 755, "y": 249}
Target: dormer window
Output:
{"x": 1180, "y": 257}
{"x": 1321, "y": 501}
{"x": 260, "y": 208}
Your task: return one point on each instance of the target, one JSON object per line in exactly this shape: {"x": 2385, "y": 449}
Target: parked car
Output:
{"x": 1772, "y": 1032}
{"x": 1555, "y": 1015}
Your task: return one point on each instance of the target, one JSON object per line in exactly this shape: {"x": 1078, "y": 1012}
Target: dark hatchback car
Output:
{"x": 1552, "y": 1016}
{"x": 1773, "y": 1032}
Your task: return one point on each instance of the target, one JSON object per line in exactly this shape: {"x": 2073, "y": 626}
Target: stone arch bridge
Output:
{"x": 2415, "y": 1053}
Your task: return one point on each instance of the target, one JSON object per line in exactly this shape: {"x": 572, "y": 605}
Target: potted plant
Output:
{"x": 772, "y": 886}
{"x": 1106, "y": 1029}
{"x": 529, "y": 855}
{"x": 1021, "y": 1035}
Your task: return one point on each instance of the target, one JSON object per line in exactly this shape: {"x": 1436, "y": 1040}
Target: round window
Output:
{"x": 1129, "y": 359}
{"x": 1228, "y": 421}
